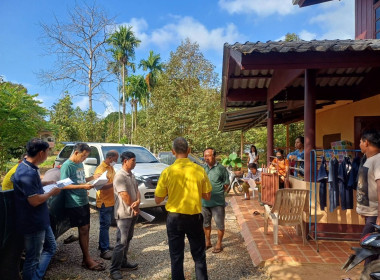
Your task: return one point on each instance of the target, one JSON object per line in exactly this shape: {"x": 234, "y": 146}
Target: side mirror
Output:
{"x": 91, "y": 161}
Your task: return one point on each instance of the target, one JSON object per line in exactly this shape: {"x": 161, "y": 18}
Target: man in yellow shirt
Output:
{"x": 185, "y": 183}
{"x": 7, "y": 182}
{"x": 105, "y": 201}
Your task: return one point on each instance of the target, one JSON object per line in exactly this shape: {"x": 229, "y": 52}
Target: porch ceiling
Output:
{"x": 256, "y": 72}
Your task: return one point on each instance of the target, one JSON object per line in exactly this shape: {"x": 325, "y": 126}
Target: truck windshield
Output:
{"x": 142, "y": 154}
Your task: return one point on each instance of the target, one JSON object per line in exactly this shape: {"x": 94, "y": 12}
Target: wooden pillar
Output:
{"x": 309, "y": 115}
{"x": 287, "y": 140}
{"x": 241, "y": 144}
{"x": 270, "y": 135}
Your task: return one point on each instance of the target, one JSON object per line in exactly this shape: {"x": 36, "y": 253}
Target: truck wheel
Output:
{"x": 373, "y": 266}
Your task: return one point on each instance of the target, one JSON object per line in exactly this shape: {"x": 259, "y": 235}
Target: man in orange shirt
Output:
{"x": 104, "y": 202}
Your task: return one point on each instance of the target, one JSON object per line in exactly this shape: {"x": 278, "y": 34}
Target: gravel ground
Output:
{"x": 149, "y": 248}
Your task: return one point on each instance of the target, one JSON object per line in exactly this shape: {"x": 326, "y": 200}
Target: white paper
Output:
{"x": 100, "y": 182}
{"x": 64, "y": 183}
{"x": 59, "y": 184}
{"x": 147, "y": 216}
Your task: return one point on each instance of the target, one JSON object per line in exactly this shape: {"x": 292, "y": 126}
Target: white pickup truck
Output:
{"x": 147, "y": 170}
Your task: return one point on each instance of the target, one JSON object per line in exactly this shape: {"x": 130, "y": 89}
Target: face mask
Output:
{"x": 113, "y": 163}
{"x": 279, "y": 157}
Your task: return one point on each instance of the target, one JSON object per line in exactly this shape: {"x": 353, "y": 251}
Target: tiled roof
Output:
{"x": 306, "y": 46}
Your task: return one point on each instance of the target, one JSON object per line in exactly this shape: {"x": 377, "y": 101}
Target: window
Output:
{"x": 377, "y": 21}
{"x": 94, "y": 154}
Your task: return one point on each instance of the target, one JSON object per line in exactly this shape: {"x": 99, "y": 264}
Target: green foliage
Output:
{"x": 21, "y": 118}
{"x": 292, "y": 37}
{"x": 232, "y": 161}
{"x": 186, "y": 102}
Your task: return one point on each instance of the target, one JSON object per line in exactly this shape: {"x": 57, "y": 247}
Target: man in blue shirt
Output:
{"x": 32, "y": 214}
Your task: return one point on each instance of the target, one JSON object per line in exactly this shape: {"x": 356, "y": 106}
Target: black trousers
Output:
{"x": 179, "y": 225}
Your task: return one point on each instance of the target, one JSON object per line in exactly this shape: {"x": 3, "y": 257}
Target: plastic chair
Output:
{"x": 287, "y": 210}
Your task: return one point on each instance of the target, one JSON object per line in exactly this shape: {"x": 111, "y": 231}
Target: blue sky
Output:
{"x": 161, "y": 25}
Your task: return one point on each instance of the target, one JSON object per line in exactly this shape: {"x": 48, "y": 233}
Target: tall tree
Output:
{"x": 62, "y": 117}
{"x": 80, "y": 50}
{"x": 186, "y": 102}
{"x": 137, "y": 92}
{"x": 154, "y": 66}
{"x": 21, "y": 118}
{"x": 124, "y": 42}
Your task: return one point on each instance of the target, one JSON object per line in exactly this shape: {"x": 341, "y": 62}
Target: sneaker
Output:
{"x": 129, "y": 266}
{"x": 107, "y": 255}
{"x": 116, "y": 275}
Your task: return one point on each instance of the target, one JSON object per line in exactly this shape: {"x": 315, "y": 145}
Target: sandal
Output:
{"x": 217, "y": 250}
{"x": 208, "y": 247}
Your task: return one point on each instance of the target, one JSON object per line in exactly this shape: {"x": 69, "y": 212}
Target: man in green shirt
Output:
{"x": 76, "y": 201}
{"x": 215, "y": 207}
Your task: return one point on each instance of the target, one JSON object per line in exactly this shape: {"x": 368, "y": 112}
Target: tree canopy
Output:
{"x": 21, "y": 118}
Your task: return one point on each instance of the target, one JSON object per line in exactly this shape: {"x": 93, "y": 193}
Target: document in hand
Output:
{"x": 147, "y": 216}
{"x": 100, "y": 182}
{"x": 59, "y": 184}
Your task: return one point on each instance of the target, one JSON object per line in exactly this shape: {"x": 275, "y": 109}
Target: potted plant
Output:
{"x": 234, "y": 163}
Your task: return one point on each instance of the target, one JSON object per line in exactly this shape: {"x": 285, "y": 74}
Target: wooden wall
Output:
{"x": 364, "y": 19}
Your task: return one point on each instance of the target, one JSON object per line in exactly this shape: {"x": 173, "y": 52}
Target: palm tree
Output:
{"x": 137, "y": 92}
{"x": 124, "y": 43}
{"x": 154, "y": 66}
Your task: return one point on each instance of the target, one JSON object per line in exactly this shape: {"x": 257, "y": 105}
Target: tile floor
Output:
{"x": 290, "y": 249}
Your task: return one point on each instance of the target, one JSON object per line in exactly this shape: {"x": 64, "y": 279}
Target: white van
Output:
{"x": 147, "y": 170}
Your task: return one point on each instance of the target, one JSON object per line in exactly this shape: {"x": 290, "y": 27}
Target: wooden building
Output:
{"x": 333, "y": 85}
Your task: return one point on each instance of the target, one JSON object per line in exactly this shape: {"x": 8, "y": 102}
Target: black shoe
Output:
{"x": 129, "y": 266}
{"x": 116, "y": 275}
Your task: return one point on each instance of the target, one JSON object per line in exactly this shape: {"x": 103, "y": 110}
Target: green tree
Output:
{"x": 185, "y": 102}
{"x": 292, "y": 37}
{"x": 137, "y": 92}
{"x": 154, "y": 66}
{"x": 124, "y": 42}
{"x": 21, "y": 118}
{"x": 62, "y": 117}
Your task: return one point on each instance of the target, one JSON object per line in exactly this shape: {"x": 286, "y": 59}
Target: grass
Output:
{"x": 48, "y": 162}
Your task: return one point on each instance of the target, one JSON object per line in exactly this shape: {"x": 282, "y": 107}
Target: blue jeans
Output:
{"x": 105, "y": 216}
{"x": 39, "y": 249}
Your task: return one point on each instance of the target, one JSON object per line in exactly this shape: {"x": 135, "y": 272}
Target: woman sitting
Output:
{"x": 253, "y": 178}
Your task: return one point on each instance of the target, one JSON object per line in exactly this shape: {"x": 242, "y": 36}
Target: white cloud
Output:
{"x": 307, "y": 36}
{"x": 188, "y": 27}
{"x": 259, "y": 7}
{"x": 109, "y": 108}
{"x": 338, "y": 20}
{"x": 181, "y": 28}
